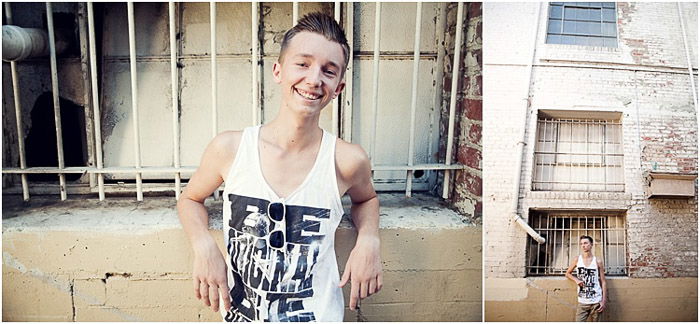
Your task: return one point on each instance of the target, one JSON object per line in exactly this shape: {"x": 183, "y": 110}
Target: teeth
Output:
{"x": 307, "y": 95}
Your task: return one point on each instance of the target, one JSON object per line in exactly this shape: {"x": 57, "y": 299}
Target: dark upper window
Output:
{"x": 582, "y": 23}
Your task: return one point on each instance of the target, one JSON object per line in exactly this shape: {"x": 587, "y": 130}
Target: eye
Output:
{"x": 302, "y": 64}
{"x": 330, "y": 72}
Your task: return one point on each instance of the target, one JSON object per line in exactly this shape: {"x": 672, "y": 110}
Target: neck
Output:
{"x": 587, "y": 254}
{"x": 293, "y": 131}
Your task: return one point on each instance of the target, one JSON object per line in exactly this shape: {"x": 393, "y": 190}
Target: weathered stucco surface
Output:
{"x": 119, "y": 260}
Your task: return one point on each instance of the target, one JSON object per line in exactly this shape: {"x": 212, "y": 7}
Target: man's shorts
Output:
{"x": 584, "y": 312}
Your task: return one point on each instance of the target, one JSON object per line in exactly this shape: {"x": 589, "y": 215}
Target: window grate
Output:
{"x": 582, "y": 23}
{"x": 562, "y": 232}
{"x": 578, "y": 155}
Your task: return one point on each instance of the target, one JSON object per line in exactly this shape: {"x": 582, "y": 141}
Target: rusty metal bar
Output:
{"x": 56, "y": 99}
{"x": 375, "y": 78}
{"x": 453, "y": 99}
{"x": 174, "y": 95}
{"x": 95, "y": 102}
{"x": 18, "y": 113}
{"x": 134, "y": 99}
{"x": 414, "y": 98}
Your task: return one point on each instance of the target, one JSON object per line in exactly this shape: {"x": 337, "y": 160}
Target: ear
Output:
{"x": 339, "y": 89}
{"x": 276, "y": 72}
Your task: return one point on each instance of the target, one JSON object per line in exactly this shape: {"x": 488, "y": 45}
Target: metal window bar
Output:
{"x": 453, "y": 99}
{"x": 549, "y": 163}
{"x": 375, "y": 81}
{"x": 18, "y": 114}
{"x": 214, "y": 77}
{"x": 174, "y": 95}
{"x": 134, "y": 99}
{"x": 95, "y": 102}
{"x": 558, "y": 253}
{"x": 347, "y": 92}
{"x": 414, "y": 99}
{"x": 257, "y": 115}
{"x": 56, "y": 100}
{"x": 334, "y": 113}
{"x": 99, "y": 170}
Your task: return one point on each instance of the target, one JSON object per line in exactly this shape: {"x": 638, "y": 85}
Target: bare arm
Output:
{"x": 209, "y": 268}
{"x": 363, "y": 268}
{"x": 603, "y": 285}
{"x": 570, "y": 276}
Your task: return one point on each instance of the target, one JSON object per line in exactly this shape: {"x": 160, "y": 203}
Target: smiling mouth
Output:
{"x": 307, "y": 95}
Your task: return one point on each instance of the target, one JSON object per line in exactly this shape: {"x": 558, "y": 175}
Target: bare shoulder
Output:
{"x": 350, "y": 158}
{"x": 221, "y": 151}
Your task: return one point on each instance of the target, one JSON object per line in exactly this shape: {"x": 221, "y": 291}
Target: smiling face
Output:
{"x": 309, "y": 73}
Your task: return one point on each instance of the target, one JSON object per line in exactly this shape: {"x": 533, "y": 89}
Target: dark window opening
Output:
{"x": 41, "y": 138}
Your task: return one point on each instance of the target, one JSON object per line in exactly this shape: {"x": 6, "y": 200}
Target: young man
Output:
{"x": 590, "y": 279}
{"x": 283, "y": 183}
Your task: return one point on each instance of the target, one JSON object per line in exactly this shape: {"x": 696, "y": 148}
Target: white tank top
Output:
{"x": 590, "y": 293}
{"x": 294, "y": 278}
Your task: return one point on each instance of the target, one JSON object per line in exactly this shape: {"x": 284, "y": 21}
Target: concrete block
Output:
{"x": 134, "y": 292}
{"x": 33, "y": 295}
{"x": 90, "y": 292}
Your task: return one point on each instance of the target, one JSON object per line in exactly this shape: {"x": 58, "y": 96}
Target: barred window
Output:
{"x": 578, "y": 155}
{"x": 562, "y": 231}
{"x": 582, "y": 23}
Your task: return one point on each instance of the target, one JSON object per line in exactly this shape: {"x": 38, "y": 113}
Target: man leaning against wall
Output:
{"x": 590, "y": 281}
{"x": 283, "y": 183}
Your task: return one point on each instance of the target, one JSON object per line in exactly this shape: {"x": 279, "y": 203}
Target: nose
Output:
{"x": 314, "y": 77}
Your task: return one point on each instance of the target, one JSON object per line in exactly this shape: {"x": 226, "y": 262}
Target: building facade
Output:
{"x": 590, "y": 127}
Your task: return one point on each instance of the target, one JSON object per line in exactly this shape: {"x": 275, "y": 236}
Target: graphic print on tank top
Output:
{"x": 588, "y": 276}
{"x": 271, "y": 283}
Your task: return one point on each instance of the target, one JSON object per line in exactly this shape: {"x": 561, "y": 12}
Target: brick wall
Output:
{"x": 466, "y": 190}
{"x": 645, "y": 79}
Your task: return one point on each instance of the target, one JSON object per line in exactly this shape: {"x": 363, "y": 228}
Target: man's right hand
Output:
{"x": 209, "y": 275}
{"x": 579, "y": 283}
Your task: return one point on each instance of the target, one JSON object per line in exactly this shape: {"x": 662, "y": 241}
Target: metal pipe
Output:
{"x": 20, "y": 43}
{"x": 690, "y": 63}
{"x": 348, "y": 91}
{"x": 214, "y": 83}
{"x": 174, "y": 95}
{"x": 295, "y": 12}
{"x": 56, "y": 100}
{"x": 254, "y": 61}
{"x": 134, "y": 98}
{"x": 95, "y": 101}
{"x": 453, "y": 98}
{"x": 521, "y": 142}
{"x": 528, "y": 229}
{"x": 414, "y": 98}
{"x": 375, "y": 78}
{"x": 18, "y": 114}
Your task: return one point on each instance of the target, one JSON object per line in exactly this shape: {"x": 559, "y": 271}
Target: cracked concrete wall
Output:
{"x": 120, "y": 261}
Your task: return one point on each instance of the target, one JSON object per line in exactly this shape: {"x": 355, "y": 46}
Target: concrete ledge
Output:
{"x": 554, "y": 299}
{"x": 119, "y": 260}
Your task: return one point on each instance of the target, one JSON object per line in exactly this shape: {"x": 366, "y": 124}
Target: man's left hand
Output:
{"x": 363, "y": 269}
{"x": 601, "y": 306}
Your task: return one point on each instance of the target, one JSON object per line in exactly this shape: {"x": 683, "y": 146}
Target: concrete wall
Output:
{"x": 554, "y": 299}
{"x": 117, "y": 261}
